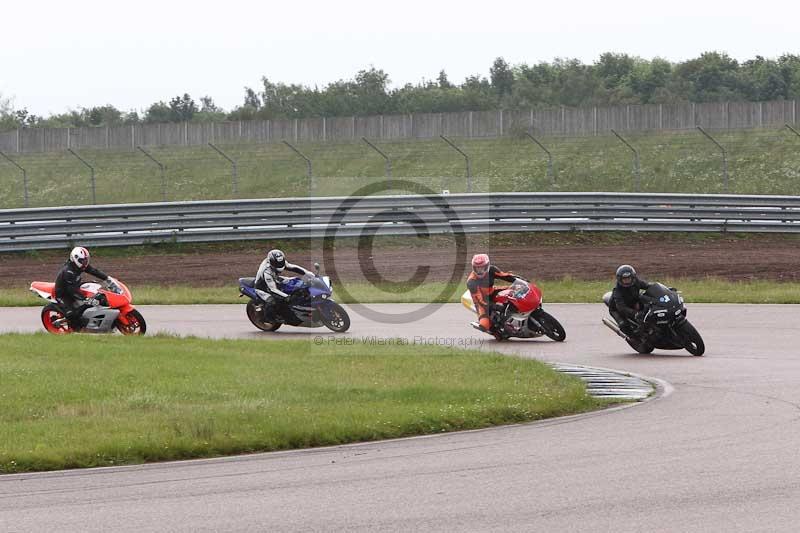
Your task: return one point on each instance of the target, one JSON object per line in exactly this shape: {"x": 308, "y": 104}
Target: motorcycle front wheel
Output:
{"x": 551, "y": 327}
{"x": 692, "y": 340}
{"x": 258, "y": 321}
{"x": 335, "y": 318}
{"x": 135, "y": 326}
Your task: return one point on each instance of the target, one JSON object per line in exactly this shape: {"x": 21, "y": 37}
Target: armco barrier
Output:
{"x": 230, "y": 220}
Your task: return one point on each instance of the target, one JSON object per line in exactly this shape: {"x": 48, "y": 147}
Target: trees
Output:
{"x": 614, "y": 78}
{"x": 712, "y": 77}
{"x": 157, "y": 112}
{"x": 182, "y": 108}
{"x": 502, "y": 77}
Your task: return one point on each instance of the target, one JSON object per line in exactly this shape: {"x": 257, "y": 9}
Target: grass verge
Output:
{"x": 706, "y": 290}
{"x": 760, "y": 162}
{"x": 84, "y": 401}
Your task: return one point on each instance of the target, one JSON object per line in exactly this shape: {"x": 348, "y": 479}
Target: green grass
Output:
{"x": 707, "y": 290}
{"x": 84, "y": 401}
{"x": 760, "y": 162}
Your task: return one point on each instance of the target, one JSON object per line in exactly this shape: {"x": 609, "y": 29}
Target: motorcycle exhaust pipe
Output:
{"x": 613, "y": 327}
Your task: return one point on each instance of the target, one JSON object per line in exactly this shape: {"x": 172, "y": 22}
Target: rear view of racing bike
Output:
{"x": 664, "y": 324}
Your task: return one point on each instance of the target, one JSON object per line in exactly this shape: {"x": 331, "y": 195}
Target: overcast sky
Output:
{"x": 57, "y": 55}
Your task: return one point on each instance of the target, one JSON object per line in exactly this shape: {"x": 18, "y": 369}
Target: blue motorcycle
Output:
{"x": 309, "y": 304}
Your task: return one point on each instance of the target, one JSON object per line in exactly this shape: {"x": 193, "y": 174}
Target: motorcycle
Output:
{"x": 309, "y": 304}
{"x": 517, "y": 312}
{"x": 112, "y": 308}
{"x": 664, "y": 324}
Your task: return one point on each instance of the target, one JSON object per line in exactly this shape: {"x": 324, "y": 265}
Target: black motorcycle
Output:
{"x": 663, "y": 324}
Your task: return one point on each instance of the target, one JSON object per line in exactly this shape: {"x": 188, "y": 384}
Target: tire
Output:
{"x": 551, "y": 327}
{"x": 51, "y": 313}
{"x": 257, "y": 321}
{"x": 692, "y": 341}
{"x": 136, "y": 324}
{"x": 335, "y": 318}
{"x": 642, "y": 347}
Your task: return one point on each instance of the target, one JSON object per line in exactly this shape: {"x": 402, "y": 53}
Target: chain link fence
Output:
{"x": 742, "y": 162}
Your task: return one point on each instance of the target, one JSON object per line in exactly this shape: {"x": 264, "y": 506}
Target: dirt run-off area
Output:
{"x": 536, "y": 256}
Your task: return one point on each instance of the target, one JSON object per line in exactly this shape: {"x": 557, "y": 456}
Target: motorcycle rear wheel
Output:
{"x": 50, "y": 314}
{"x": 641, "y": 346}
{"x": 551, "y": 327}
{"x": 692, "y": 341}
{"x": 135, "y": 326}
{"x": 258, "y": 321}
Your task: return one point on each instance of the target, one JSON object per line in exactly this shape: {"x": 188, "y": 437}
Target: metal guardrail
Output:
{"x": 281, "y": 218}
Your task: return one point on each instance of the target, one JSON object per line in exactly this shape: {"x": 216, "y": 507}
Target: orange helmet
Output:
{"x": 480, "y": 265}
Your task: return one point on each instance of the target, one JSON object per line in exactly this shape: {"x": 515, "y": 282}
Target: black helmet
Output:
{"x": 626, "y": 276}
{"x": 277, "y": 260}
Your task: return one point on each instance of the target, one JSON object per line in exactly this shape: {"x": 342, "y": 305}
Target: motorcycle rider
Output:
{"x": 269, "y": 277}
{"x": 481, "y": 287}
{"x": 68, "y": 284}
{"x": 626, "y": 300}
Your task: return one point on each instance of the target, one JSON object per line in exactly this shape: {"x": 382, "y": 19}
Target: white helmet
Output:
{"x": 79, "y": 256}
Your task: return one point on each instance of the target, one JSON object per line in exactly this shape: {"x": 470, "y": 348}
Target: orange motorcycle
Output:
{"x": 111, "y": 309}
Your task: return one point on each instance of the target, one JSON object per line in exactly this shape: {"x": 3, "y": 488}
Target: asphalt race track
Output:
{"x": 717, "y": 451}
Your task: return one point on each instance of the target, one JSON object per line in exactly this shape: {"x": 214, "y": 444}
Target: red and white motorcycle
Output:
{"x": 517, "y": 312}
{"x": 112, "y": 309}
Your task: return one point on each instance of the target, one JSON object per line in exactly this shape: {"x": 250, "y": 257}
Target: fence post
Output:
{"x": 307, "y": 160}
{"x": 549, "y": 174}
{"x": 234, "y": 169}
{"x": 724, "y": 156}
{"x": 636, "y": 169}
{"x": 163, "y": 169}
{"x": 385, "y": 157}
{"x": 24, "y": 177}
{"x": 91, "y": 168}
{"x": 466, "y": 157}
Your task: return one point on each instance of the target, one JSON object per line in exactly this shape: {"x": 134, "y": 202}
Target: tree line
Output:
{"x": 614, "y": 79}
